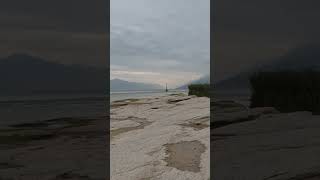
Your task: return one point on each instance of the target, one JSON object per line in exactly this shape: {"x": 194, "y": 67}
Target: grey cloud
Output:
{"x": 151, "y": 34}
{"x": 252, "y": 32}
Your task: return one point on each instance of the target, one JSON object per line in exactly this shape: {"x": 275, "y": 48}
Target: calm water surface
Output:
{"x": 18, "y": 109}
{"x": 115, "y": 96}
{"x": 15, "y": 110}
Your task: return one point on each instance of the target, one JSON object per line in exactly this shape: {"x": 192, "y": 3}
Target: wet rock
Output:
{"x": 185, "y": 155}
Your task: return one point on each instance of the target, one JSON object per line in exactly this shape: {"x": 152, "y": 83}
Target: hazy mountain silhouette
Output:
{"x": 298, "y": 59}
{"x": 22, "y": 74}
{"x": 302, "y": 58}
{"x": 122, "y": 85}
{"x": 203, "y": 80}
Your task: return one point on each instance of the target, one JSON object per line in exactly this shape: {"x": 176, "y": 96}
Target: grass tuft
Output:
{"x": 200, "y": 90}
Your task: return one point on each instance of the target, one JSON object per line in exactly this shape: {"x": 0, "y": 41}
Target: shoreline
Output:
{"x": 116, "y": 96}
{"x": 39, "y": 150}
{"x": 166, "y": 137}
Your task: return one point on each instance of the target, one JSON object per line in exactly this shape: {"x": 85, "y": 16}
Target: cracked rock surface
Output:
{"x": 161, "y": 138}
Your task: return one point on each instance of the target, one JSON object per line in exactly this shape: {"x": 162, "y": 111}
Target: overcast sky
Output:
{"x": 64, "y": 31}
{"x": 160, "y": 41}
{"x": 250, "y": 32}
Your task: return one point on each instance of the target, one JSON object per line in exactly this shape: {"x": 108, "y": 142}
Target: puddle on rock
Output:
{"x": 185, "y": 155}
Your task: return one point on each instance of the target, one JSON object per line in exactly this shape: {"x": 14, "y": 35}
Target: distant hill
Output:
{"x": 203, "y": 80}
{"x": 297, "y": 59}
{"x": 22, "y": 74}
{"x": 122, "y": 85}
{"x": 238, "y": 82}
{"x": 302, "y": 58}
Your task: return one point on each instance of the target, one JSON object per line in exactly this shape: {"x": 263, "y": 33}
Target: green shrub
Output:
{"x": 199, "y": 90}
{"x": 287, "y": 91}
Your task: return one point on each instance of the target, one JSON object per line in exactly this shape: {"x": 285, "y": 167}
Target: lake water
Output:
{"x": 115, "y": 96}
{"x": 18, "y": 109}
{"x": 15, "y": 110}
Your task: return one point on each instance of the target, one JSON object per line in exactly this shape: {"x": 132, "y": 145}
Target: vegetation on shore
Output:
{"x": 200, "y": 90}
{"x": 287, "y": 91}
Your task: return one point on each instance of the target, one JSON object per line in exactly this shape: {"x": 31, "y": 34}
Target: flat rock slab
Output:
{"x": 198, "y": 123}
{"x": 173, "y": 145}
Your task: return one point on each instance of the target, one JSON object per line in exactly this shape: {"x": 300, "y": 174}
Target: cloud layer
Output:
{"x": 250, "y": 32}
{"x": 160, "y": 41}
{"x": 69, "y": 32}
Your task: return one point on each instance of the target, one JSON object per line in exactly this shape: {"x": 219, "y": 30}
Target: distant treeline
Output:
{"x": 287, "y": 91}
{"x": 200, "y": 90}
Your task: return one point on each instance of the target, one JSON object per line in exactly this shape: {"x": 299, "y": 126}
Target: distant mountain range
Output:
{"x": 203, "y": 80}
{"x": 302, "y": 58}
{"x": 22, "y": 74}
{"x": 122, "y": 85}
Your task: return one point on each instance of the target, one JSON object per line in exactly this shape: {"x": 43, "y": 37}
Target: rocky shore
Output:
{"x": 167, "y": 138}
{"x": 161, "y": 138}
{"x": 263, "y": 144}
{"x": 55, "y": 149}
{"x": 156, "y": 138}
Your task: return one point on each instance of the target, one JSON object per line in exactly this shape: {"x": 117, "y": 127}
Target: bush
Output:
{"x": 287, "y": 91}
{"x": 199, "y": 90}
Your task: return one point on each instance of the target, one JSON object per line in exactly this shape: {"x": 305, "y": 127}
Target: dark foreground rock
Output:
{"x": 265, "y": 145}
{"x": 66, "y": 148}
